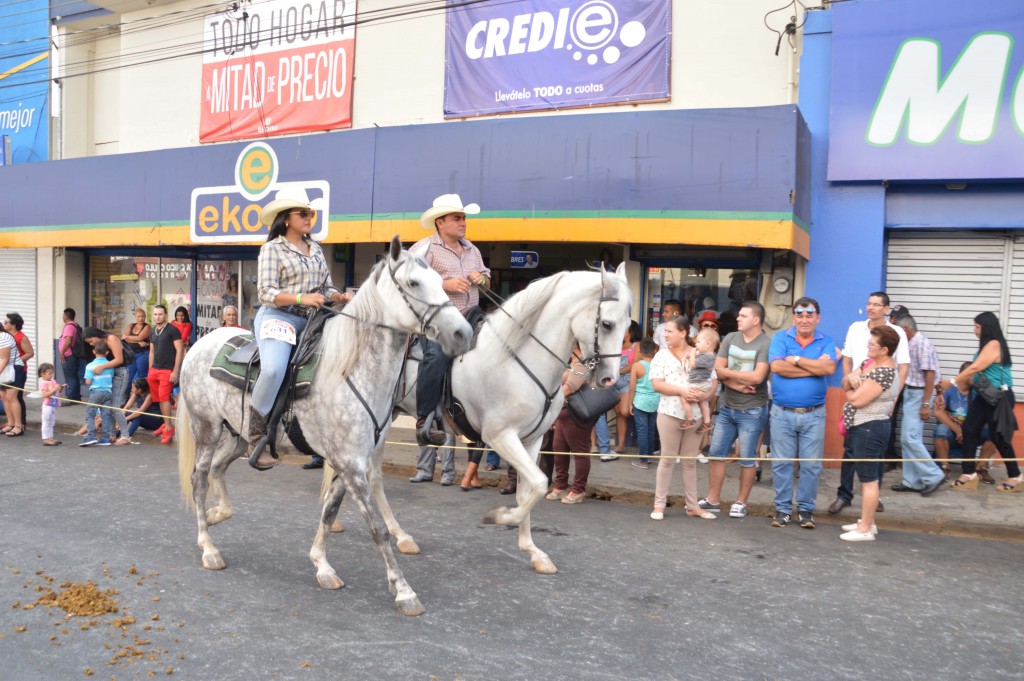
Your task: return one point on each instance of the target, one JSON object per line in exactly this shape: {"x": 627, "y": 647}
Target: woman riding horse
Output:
{"x": 292, "y": 270}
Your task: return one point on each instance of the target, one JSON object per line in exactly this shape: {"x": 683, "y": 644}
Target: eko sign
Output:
{"x": 231, "y": 213}
{"x": 927, "y": 89}
{"x": 552, "y": 54}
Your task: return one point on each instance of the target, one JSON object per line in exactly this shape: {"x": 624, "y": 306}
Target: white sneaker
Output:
{"x": 854, "y": 535}
{"x": 738, "y": 510}
{"x": 702, "y": 458}
{"x": 852, "y": 527}
{"x": 657, "y": 515}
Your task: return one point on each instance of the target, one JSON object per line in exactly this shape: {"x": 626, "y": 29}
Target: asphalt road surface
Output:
{"x": 633, "y": 598}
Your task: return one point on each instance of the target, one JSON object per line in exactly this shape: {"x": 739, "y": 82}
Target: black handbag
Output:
{"x": 986, "y": 390}
{"x": 587, "y": 404}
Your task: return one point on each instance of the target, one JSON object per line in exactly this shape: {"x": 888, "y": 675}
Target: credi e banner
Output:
{"x": 278, "y": 67}
{"x": 550, "y": 54}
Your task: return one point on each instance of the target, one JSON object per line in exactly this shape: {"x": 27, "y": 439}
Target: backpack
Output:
{"x": 78, "y": 342}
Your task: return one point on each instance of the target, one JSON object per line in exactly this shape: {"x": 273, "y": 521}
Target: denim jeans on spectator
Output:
{"x": 848, "y": 468}
{"x": 916, "y": 474}
{"x": 797, "y": 436}
{"x": 74, "y": 370}
{"x": 98, "y": 401}
{"x": 646, "y": 431}
{"x": 746, "y": 425}
{"x": 493, "y": 459}
{"x": 604, "y": 442}
{"x": 118, "y": 396}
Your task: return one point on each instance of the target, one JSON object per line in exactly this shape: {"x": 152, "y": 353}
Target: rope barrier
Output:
{"x": 769, "y": 458}
{"x": 87, "y": 404}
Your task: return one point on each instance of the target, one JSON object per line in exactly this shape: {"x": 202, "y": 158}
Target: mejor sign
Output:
{"x": 939, "y": 94}
{"x": 231, "y": 214}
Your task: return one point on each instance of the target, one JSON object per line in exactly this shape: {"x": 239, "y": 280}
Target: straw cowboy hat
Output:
{"x": 444, "y": 205}
{"x": 290, "y": 197}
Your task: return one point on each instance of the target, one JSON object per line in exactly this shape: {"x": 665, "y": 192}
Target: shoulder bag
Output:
{"x": 986, "y": 390}
{"x": 587, "y": 404}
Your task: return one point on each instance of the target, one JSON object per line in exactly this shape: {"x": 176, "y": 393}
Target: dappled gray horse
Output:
{"x": 344, "y": 417}
{"x": 510, "y": 382}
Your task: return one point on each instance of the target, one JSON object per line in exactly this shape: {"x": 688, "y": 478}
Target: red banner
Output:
{"x": 283, "y": 67}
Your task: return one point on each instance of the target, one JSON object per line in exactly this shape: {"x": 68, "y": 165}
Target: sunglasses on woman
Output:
{"x": 304, "y": 213}
{"x": 709, "y": 325}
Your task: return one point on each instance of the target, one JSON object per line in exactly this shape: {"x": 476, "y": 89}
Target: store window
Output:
{"x": 120, "y": 284}
{"x": 721, "y": 290}
{"x": 216, "y": 288}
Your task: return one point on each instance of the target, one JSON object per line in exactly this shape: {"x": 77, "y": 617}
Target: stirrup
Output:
{"x": 258, "y": 449}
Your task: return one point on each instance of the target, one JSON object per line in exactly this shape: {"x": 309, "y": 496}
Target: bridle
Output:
{"x": 590, "y": 362}
{"x": 432, "y": 309}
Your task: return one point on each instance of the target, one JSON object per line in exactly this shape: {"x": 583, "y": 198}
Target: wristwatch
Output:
{"x": 796, "y": 360}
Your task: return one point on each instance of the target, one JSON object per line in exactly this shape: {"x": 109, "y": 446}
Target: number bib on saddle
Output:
{"x": 278, "y": 330}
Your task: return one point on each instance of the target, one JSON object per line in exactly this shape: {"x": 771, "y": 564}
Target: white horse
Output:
{"x": 510, "y": 382}
{"x": 344, "y": 417}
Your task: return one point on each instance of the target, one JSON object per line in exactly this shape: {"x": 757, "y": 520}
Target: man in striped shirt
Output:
{"x": 462, "y": 268}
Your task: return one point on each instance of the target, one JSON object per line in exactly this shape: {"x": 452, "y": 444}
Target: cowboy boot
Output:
{"x": 259, "y": 458}
{"x": 425, "y": 433}
{"x": 513, "y": 482}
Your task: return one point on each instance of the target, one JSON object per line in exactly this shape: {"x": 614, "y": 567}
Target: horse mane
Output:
{"x": 524, "y": 308}
{"x": 346, "y": 339}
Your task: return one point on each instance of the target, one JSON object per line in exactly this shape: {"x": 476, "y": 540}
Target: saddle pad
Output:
{"x": 233, "y": 373}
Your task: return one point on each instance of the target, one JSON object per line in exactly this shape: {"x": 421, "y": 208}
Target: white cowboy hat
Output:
{"x": 289, "y": 197}
{"x": 444, "y": 205}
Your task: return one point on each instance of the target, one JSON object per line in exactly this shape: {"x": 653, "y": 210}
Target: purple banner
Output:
{"x": 927, "y": 90}
{"x": 553, "y": 54}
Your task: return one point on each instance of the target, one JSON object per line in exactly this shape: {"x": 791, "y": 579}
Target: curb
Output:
{"x": 621, "y": 495}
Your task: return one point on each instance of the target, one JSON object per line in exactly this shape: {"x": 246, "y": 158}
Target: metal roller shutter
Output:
{"x": 946, "y": 279}
{"x": 19, "y": 268}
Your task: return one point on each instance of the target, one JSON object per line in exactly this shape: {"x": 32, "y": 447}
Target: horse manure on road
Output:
{"x": 87, "y": 600}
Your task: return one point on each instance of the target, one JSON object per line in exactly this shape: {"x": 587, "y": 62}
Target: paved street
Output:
{"x": 633, "y": 599}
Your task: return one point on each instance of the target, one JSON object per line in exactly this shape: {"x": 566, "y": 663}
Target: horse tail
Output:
{"x": 186, "y": 454}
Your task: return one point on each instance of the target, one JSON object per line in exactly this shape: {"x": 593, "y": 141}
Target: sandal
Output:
{"x": 556, "y": 494}
{"x": 20, "y": 429}
{"x": 570, "y": 499}
{"x": 1007, "y": 488}
{"x": 6, "y": 429}
{"x": 945, "y": 470}
{"x": 985, "y": 476}
{"x": 687, "y": 424}
{"x": 705, "y": 427}
{"x": 964, "y": 485}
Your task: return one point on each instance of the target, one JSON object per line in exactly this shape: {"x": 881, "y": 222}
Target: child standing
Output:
{"x": 49, "y": 389}
{"x": 100, "y": 387}
{"x": 703, "y": 356}
{"x": 644, "y": 403}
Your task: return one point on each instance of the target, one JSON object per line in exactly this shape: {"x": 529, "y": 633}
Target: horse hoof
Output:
{"x": 408, "y": 546}
{"x": 213, "y": 561}
{"x": 336, "y": 526}
{"x": 215, "y": 516}
{"x": 329, "y": 580}
{"x": 410, "y": 607}
{"x": 491, "y": 517}
{"x": 544, "y": 566}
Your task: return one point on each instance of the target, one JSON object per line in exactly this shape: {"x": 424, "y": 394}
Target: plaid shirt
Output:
{"x": 451, "y": 265}
{"x": 923, "y": 357}
{"x": 283, "y": 269}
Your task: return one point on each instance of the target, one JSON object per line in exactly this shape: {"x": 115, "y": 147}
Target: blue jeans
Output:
{"x": 151, "y": 420}
{"x": 140, "y": 367}
{"x": 916, "y": 474}
{"x": 97, "y": 400}
{"x": 274, "y": 356}
{"x": 493, "y": 459}
{"x": 797, "y": 436}
{"x": 74, "y": 372}
{"x": 867, "y": 441}
{"x": 646, "y": 430}
{"x": 743, "y": 424}
{"x": 119, "y": 395}
{"x": 604, "y": 441}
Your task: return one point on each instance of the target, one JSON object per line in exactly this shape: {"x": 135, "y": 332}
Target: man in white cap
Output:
{"x": 462, "y": 268}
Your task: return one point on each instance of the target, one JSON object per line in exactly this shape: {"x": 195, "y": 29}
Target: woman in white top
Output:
{"x": 669, "y": 377}
{"x": 9, "y": 359}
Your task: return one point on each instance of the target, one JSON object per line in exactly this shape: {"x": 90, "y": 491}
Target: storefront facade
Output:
{"x": 917, "y": 160}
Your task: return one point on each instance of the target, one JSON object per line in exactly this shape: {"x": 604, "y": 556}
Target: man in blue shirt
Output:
{"x": 801, "y": 359}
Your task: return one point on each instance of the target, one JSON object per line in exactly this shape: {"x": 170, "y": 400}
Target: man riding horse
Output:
{"x": 462, "y": 268}
{"x": 292, "y": 271}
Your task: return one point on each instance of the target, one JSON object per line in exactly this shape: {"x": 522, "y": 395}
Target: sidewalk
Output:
{"x": 982, "y": 514}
